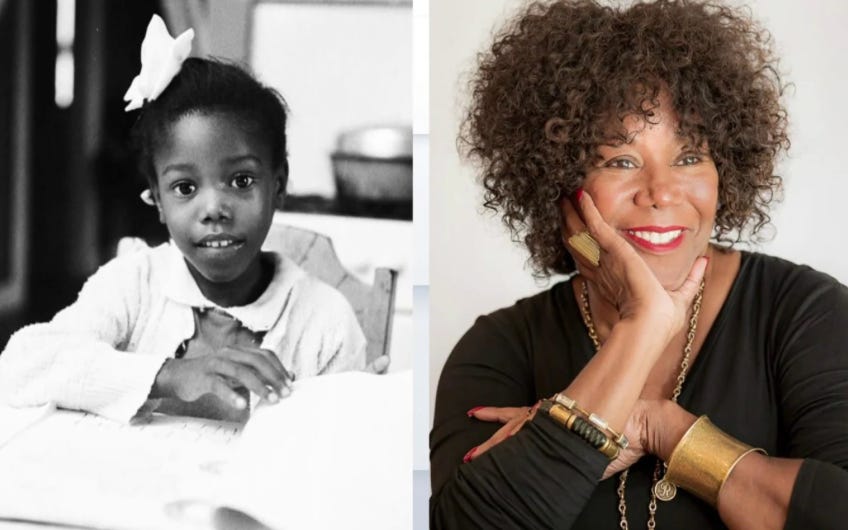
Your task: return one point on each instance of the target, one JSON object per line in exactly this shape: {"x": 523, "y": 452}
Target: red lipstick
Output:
{"x": 642, "y": 235}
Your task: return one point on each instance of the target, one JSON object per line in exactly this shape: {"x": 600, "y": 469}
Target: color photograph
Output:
{"x": 637, "y": 294}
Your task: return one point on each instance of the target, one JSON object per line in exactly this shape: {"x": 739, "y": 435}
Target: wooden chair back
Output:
{"x": 373, "y": 304}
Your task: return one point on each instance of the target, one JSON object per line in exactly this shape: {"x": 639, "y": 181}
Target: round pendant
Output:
{"x": 665, "y": 490}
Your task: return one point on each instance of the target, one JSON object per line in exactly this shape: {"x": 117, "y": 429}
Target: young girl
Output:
{"x": 191, "y": 326}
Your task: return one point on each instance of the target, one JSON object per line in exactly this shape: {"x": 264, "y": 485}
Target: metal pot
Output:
{"x": 374, "y": 164}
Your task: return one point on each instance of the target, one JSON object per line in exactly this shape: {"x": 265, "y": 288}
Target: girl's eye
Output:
{"x": 242, "y": 181}
{"x": 620, "y": 163}
{"x": 689, "y": 160}
{"x": 184, "y": 189}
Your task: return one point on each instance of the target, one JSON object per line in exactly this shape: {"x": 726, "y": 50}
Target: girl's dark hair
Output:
{"x": 205, "y": 86}
{"x": 559, "y": 73}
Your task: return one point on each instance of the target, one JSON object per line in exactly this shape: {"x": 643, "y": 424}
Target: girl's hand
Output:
{"x": 223, "y": 371}
{"x": 380, "y": 365}
{"x": 512, "y": 418}
{"x": 623, "y": 278}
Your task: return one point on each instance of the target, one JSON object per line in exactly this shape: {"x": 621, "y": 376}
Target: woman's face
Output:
{"x": 659, "y": 193}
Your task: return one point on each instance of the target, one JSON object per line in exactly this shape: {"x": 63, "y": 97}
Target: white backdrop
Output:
{"x": 339, "y": 67}
{"x": 475, "y": 269}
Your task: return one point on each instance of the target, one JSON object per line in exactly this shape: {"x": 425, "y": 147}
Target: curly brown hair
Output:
{"x": 557, "y": 75}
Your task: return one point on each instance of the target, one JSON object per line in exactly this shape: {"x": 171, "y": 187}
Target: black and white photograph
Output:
{"x": 205, "y": 264}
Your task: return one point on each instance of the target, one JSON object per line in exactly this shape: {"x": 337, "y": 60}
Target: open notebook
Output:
{"x": 336, "y": 453}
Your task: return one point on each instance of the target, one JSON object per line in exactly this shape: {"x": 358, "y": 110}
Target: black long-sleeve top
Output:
{"x": 772, "y": 372}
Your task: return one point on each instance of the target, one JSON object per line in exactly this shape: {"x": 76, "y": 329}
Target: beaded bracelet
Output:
{"x": 601, "y": 424}
{"x": 579, "y": 426}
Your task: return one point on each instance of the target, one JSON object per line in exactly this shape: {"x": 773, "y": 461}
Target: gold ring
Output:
{"x": 586, "y": 245}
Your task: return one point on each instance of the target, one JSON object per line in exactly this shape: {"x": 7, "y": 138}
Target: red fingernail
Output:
{"x": 469, "y": 455}
{"x": 472, "y": 411}
{"x": 575, "y": 197}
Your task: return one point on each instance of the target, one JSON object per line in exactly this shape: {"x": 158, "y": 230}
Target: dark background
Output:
{"x": 83, "y": 187}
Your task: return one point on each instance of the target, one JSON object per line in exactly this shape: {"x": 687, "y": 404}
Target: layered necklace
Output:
{"x": 660, "y": 488}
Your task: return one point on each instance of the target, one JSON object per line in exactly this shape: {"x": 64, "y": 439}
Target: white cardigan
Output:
{"x": 101, "y": 354}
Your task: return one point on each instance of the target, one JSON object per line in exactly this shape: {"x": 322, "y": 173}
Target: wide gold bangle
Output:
{"x": 704, "y": 458}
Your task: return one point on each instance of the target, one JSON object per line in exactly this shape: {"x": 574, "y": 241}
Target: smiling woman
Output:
{"x": 633, "y": 147}
{"x": 657, "y": 191}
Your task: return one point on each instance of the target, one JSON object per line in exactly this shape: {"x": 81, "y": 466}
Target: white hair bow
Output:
{"x": 162, "y": 57}
{"x": 147, "y": 197}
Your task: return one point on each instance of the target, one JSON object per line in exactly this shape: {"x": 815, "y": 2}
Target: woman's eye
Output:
{"x": 689, "y": 160}
{"x": 184, "y": 188}
{"x": 621, "y": 163}
{"x": 242, "y": 181}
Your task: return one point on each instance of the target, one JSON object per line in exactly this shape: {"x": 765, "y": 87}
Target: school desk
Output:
{"x": 336, "y": 453}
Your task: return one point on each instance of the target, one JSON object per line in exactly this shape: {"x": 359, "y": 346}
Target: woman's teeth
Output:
{"x": 657, "y": 238}
{"x": 218, "y": 244}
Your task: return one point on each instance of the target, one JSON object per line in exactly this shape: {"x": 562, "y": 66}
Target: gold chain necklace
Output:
{"x": 660, "y": 488}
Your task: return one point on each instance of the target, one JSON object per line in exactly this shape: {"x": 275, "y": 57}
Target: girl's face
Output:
{"x": 216, "y": 193}
{"x": 659, "y": 193}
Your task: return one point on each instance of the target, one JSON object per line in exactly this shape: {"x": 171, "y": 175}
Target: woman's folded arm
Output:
{"x": 541, "y": 477}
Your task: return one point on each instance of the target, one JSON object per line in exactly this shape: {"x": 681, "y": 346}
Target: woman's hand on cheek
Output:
{"x": 622, "y": 277}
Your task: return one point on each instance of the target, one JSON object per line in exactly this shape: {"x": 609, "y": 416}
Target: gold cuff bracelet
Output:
{"x": 704, "y": 458}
